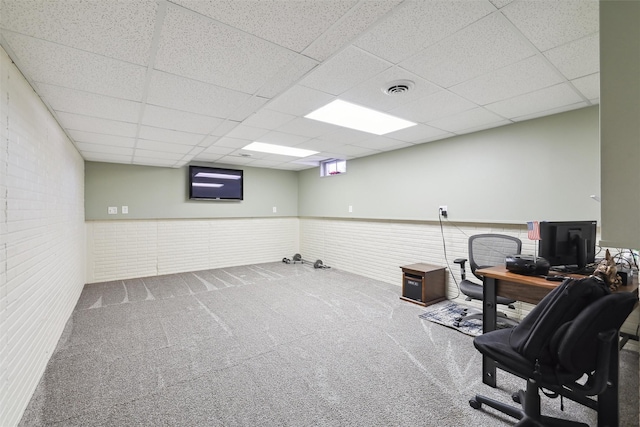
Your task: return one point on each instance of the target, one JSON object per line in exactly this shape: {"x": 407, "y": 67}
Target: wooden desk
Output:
{"x": 498, "y": 281}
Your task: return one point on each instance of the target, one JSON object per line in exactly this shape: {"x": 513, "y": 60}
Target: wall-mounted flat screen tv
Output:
{"x": 207, "y": 183}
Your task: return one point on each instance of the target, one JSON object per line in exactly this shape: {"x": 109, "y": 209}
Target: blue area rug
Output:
{"x": 445, "y": 313}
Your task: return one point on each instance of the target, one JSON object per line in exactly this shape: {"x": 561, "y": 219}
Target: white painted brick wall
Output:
{"x": 138, "y": 248}
{"x": 42, "y": 252}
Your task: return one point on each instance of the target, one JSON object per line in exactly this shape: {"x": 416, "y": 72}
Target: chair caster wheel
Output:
{"x": 456, "y": 324}
{"x": 457, "y": 319}
{"x": 516, "y": 397}
{"x": 475, "y": 404}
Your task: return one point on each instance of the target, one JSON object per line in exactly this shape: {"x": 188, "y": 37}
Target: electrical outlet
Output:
{"x": 125, "y": 209}
{"x": 350, "y": 208}
{"x": 443, "y": 210}
{"x": 275, "y": 209}
{"x": 112, "y": 210}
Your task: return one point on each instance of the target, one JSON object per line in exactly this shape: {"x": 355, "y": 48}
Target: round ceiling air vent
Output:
{"x": 398, "y": 87}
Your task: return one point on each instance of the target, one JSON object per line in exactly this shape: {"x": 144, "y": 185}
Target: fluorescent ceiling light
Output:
{"x": 216, "y": 175}
{"x": 353, "y": 116}
{"x": 206, "y": 184}
{"x": 278, "y": 149}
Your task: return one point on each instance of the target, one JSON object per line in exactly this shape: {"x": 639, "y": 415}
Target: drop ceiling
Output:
{"x": 168, "y": 83}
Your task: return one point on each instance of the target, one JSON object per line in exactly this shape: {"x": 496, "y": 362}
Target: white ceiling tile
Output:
{"x": 561, "y": 109}
{"x": 578, "y": 58}
{"x": 300, "y": 101}
{"x": 346, "y": 136}
{"x": 382, "y": 143}
{"x": 63, "y": 66}
{"x": 371, "y": 92}
{"x": 307, "y": 127}
{"x": 432, "y": 107}
{"x": 485, "y": 45}
{"x": 281, "y": 138}
{"x": 500, "y": 3}
{"x": 153, "y": 161}
{"x": 104, "y": 149}
{"x": 219, "y": 150}
{"x": 89, "y": 104}
{"x": 224, "y": 128}
{"x": 247, "y": 132}
{"x": 168, "y": 118}
{"x": 415, "y": 25}
{"x": 202, "y": 49}
{"x": 190, "y": 95}
{"x": 101, "y": 139}
{"x": 534, "y": 102}
{"x": 97, "y": 125}
{"x": 261, "y": 163}
{"x": 108, "y": 158}
{"x": 351, "y": 48}
{"x": 171, "y": 136}
{"x": 473, "y": 118}
{"x": 268, "y": 119}
{"x": 235, "y": 160}
{"x": 207, "y": 157}
{"x": 589, "y": 86}
{"x": 234, "y": 143}
{"x": 348, "y": 28}
{"x": 115, "y": 29}
{"x": 551, "y": 23}
{"x": 320, "y": 144}
{"x": 287, "y": 76}
{"x": 418, "y": 133}
{"x": 157, "y": 154}
{"x": 293, "y": 24}
{"x": 356, "y": 151}
{"x": 525, "y": 76}
{"x": 249, "y": 107}
{"x": 345, "y": 70}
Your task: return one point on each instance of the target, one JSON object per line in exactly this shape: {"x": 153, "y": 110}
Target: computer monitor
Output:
{"x": 568, "y": 243}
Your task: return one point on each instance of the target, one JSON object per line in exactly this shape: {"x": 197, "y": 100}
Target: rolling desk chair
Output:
{"x": 486, "y": 250}
{"x": 585, "y": 346}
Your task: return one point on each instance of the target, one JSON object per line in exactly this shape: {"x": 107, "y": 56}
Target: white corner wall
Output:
{"x": 42, "y": 244}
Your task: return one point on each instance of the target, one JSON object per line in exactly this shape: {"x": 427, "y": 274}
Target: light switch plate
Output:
{"x": 125, "y": 209}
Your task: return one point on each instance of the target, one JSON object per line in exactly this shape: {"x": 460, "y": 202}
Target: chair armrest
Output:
{"x": 461, "y": 261}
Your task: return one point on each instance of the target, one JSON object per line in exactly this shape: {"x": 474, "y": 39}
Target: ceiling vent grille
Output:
{"x": 398, "y": 87}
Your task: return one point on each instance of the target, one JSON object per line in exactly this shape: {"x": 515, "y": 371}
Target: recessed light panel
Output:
{"x": 279, "y": 149}
{"x": 353, "y": 116}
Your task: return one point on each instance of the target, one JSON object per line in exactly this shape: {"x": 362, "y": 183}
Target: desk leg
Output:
{"x": 608, "y": 403}
{"x": 489, "y": 314}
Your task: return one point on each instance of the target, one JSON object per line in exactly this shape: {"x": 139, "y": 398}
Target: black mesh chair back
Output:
{"x": 488, "y": 250}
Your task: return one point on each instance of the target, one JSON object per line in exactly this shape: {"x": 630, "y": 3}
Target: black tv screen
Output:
{"x": 207, "y": 183}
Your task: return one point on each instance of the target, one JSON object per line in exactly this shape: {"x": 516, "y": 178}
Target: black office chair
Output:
{"x": 486, "y": 250}
{"x": 587, "y": 346}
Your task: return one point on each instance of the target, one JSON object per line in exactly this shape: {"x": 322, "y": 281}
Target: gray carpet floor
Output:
{"x": 270, "y": 345}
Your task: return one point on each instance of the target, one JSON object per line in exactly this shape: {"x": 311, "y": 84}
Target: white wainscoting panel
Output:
{"x": 139, "y": 248}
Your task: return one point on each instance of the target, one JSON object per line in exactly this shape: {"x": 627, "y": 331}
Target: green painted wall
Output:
{"x": 541, "y": 169}
{"x": 155, "y": 192}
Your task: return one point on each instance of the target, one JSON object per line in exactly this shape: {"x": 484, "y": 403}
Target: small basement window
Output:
{"x": 333, "y": 167}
